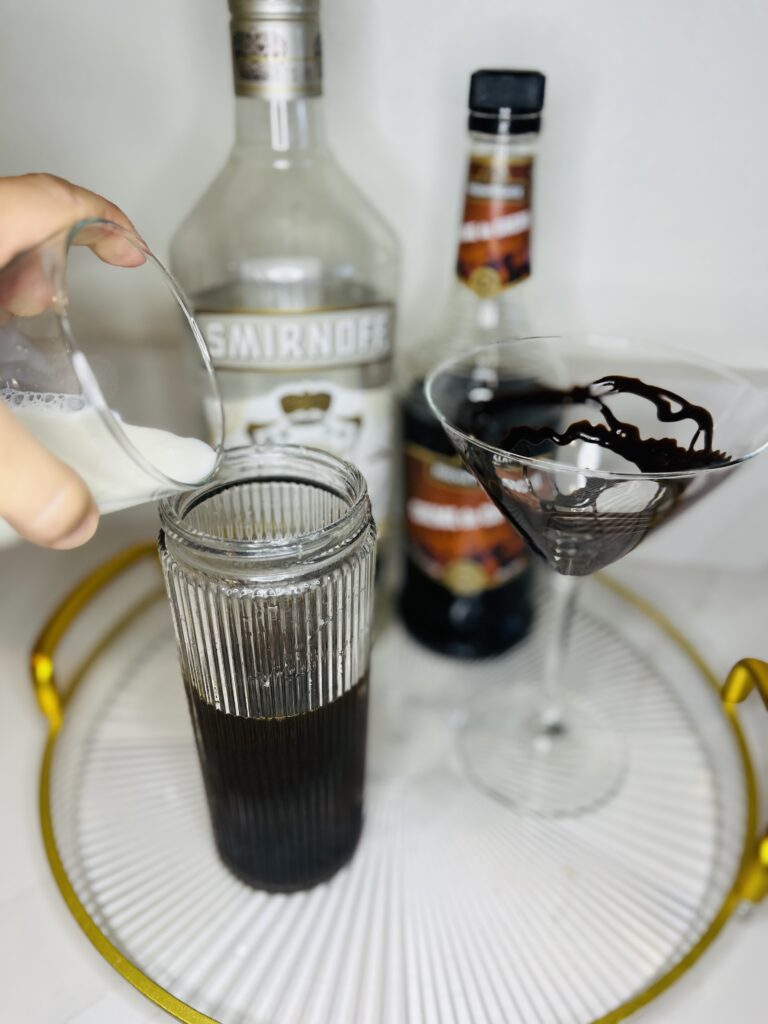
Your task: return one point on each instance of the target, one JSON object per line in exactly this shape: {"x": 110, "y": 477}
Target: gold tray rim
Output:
{"x": 53, "y": 703}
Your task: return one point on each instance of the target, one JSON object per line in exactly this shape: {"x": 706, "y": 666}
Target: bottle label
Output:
{"x": 495, "y": 238}
{"x": 354, "y": 423}
{"x": 319, "y": 339}
{"x": 277, "y": 58}
{"x": 456, "y": 535}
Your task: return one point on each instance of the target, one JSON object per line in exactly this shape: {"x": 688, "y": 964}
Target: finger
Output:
{"x": 110, "y": 245}
{"x": 40, "y": 496}
{"x": 34, "y": 206}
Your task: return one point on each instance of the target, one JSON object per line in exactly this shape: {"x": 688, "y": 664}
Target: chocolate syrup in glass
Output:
{"x": 649, "y": 454}
{"x": 583, "y": 528}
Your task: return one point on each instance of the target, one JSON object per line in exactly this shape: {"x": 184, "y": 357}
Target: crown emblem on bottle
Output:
{"x": 269, "y": 44}
{"x": 307, "y": 401}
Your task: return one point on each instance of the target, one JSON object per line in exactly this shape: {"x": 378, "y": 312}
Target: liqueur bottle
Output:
{"x": 467, "y": 589}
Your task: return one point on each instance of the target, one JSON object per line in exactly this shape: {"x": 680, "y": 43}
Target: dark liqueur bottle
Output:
{"x": 467, "y": 585}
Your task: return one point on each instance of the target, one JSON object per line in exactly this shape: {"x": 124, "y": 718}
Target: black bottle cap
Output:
{"x": 506, "y": 102}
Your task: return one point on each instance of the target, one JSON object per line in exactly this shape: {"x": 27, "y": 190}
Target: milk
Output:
{"x": 79, "y": 436}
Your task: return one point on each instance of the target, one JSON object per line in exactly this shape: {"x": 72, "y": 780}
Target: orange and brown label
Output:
{"x": 455, "y": 533}
{"x": 495, "y": 240}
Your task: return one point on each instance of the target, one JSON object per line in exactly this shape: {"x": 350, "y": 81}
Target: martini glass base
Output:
{"x": 552, "y": 765}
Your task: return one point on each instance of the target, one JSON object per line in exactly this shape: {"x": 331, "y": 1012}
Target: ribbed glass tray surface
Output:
{"x": 455, "y": 909}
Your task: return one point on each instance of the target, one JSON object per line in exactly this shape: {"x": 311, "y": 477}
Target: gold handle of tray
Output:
{"x": 747, "y": 675}
{"x": 48, "y": 693}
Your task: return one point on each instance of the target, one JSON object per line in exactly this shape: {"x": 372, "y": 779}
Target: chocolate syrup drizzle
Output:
{"x": 582, "y": 529}
{"x": 649, "y": 454}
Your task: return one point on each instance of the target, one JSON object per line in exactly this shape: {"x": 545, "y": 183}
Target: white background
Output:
{"x": 651, "y": 206}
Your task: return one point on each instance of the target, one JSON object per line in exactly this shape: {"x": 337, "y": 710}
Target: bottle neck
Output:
{"x": 277, "y": 63}
{"x": 494, "y": 251}
{"x": 280, "y": 124}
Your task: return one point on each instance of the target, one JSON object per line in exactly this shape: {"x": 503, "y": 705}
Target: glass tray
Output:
{"x": 455, "y": 909}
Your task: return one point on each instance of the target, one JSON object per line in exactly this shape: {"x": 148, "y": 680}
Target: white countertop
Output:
{"x": 49, "y": 974}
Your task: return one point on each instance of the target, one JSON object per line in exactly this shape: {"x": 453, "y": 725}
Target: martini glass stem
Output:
{"x": 564, "y": 590}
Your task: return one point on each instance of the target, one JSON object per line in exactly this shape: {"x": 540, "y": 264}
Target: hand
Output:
{"x": 41, "y": 497}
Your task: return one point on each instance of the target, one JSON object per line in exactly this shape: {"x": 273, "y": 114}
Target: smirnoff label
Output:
{"x": 495, "y": 238}
{"x": 321, "y": 339}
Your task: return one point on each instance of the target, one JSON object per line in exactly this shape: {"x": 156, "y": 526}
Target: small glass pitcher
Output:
{"x": 105, "y": 365}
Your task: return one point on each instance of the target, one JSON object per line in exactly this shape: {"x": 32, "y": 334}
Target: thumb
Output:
{"x": 41, "y": 497}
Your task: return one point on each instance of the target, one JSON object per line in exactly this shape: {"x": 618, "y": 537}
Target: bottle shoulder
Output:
{"x": 465, "y": 322}
{"x": 253, "y": 194}
{"x": 262, "y": 207}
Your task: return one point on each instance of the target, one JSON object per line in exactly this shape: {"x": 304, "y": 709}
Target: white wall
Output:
{"x": 652, "y": 191}
{"x": 652, "y": 210}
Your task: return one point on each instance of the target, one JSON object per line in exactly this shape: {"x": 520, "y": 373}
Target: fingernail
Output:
{"x": 81, "y": 533}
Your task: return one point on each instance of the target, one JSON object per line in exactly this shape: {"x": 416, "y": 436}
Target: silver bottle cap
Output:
{"x": 274, "y": 8}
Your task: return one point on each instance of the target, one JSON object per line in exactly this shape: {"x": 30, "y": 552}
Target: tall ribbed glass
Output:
{"x": 269, "y": 570}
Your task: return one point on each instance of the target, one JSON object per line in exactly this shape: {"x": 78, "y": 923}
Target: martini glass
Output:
{"x": 541, "y": 744}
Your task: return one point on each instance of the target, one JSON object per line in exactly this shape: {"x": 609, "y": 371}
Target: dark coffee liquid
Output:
{"x": 649, "y": 454}
{"x": 285, "y": 794}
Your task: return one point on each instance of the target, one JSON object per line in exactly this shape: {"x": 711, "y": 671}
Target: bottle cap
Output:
{"x": 506, "y": 102}
{"x": 266, "y": 9}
